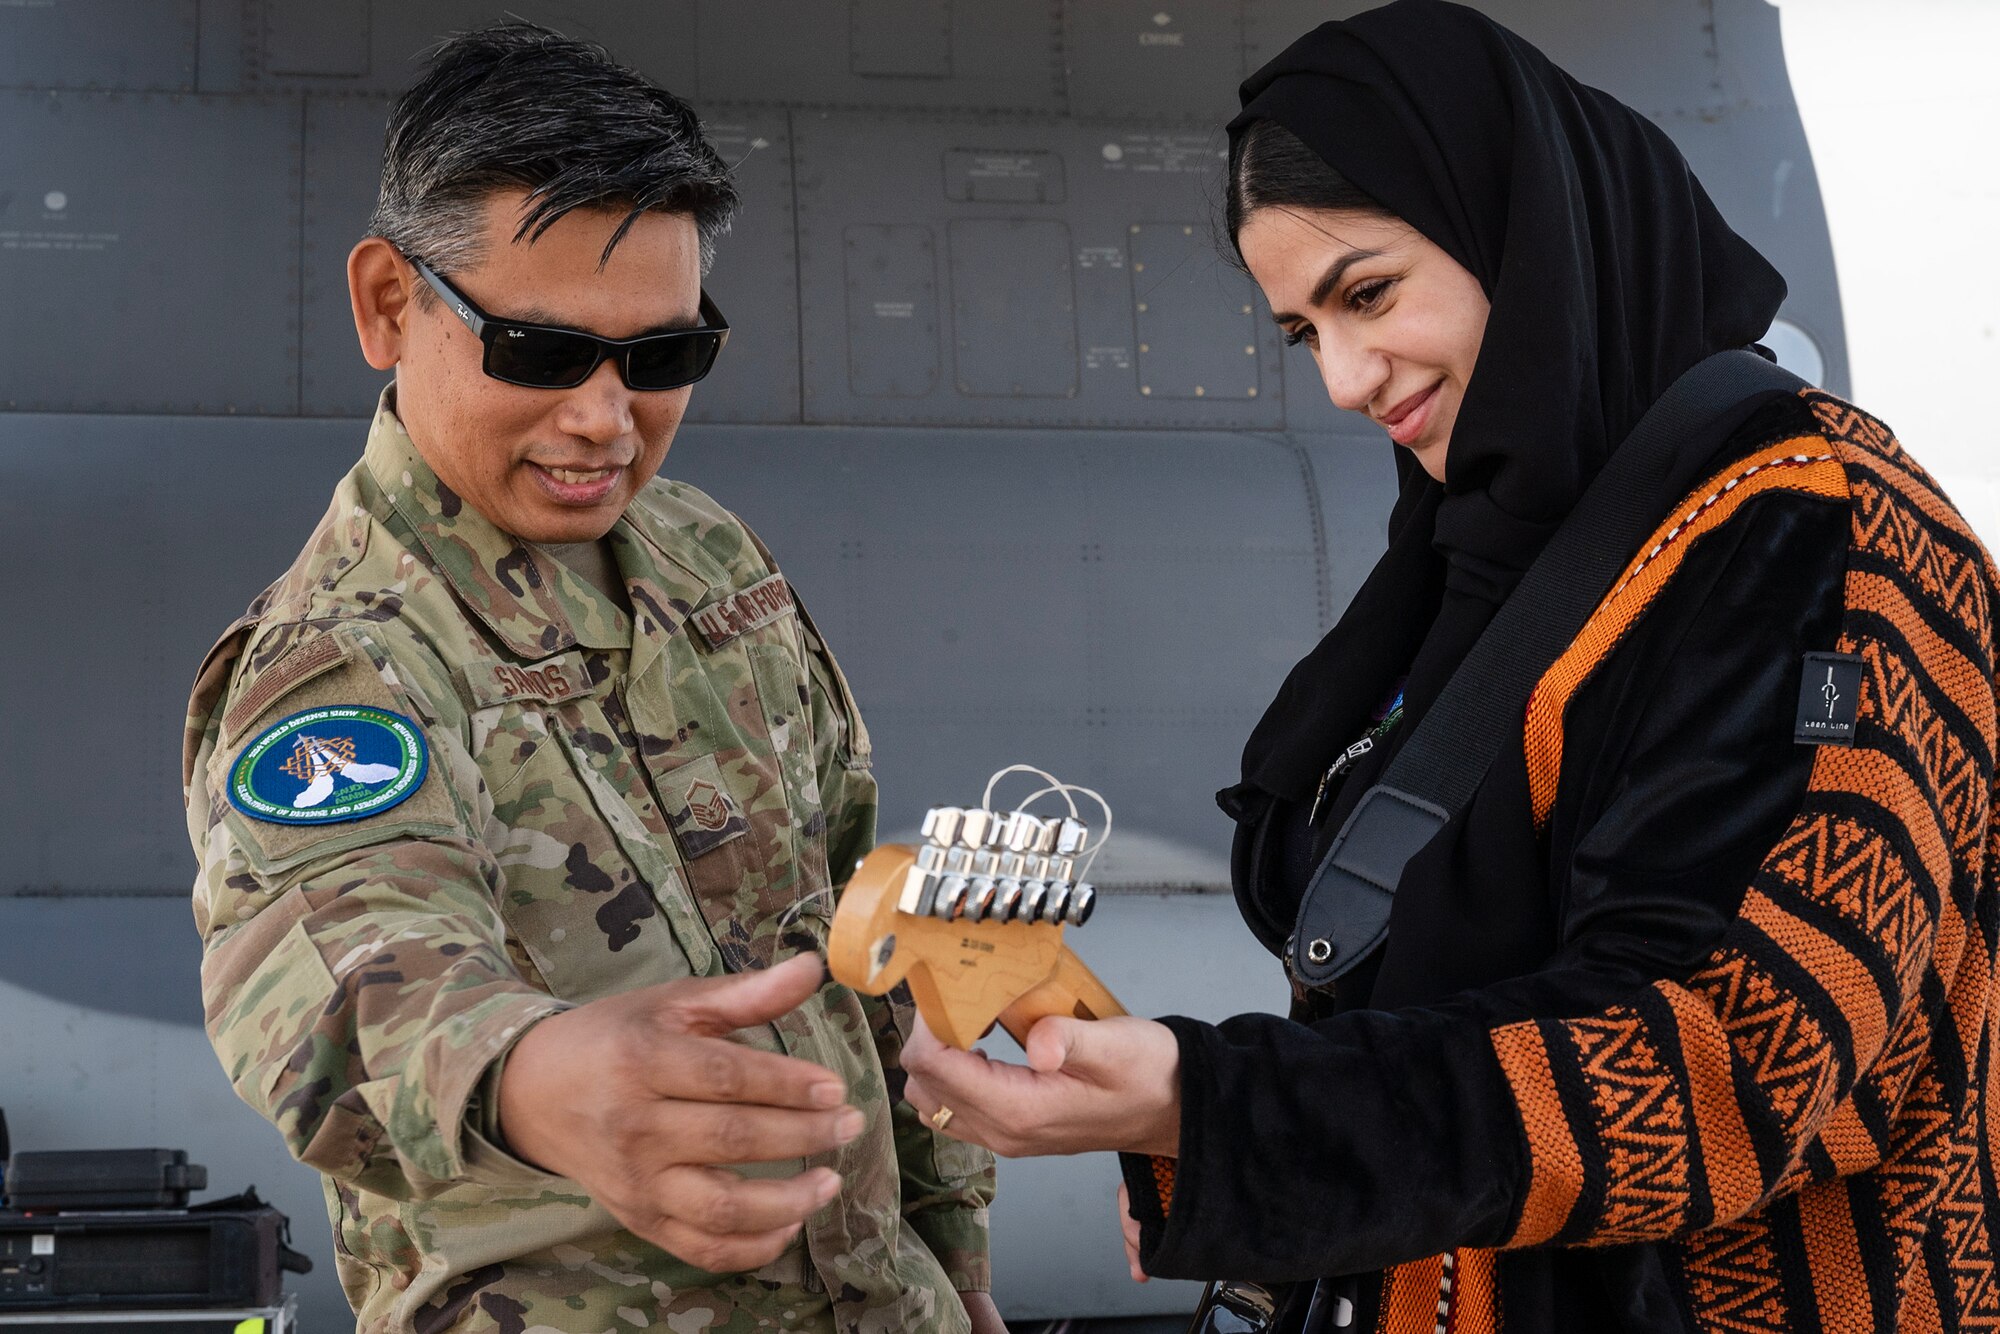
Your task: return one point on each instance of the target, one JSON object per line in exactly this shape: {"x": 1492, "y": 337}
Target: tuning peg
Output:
{"x": 927, "y": 896}
{"x": 950, "y": 897}
{"x": 973, "y": 829}
{"x": 1071, "y": 835}
{"x": 941, "y": 824}
{"x": 1007, "y": 900}
{"x": 979, "y": 898}
{"x": 1025, "y": 832}
{"x": 911, "y": 900}
{"x": 1029, "y": 909}
{"x": 1080, "y": 905}
{"x": 1056, "y": 904}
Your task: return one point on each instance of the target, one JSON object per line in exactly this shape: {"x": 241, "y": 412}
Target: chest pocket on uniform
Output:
{"x": 745, "y": 813}
{"x": 582, "y": 912}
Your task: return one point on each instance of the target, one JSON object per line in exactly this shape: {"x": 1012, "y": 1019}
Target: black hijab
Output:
{"x": 1609, "y": 273}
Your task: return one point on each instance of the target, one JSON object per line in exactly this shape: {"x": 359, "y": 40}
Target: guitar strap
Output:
{"x": 1345, "y": 912}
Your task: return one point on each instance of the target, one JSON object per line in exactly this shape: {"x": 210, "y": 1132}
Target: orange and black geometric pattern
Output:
{"x": 1806, "y": 465}
{"x": 1804, "y": 1122}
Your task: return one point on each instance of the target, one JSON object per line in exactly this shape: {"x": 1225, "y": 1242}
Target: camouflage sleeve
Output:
{"x": 947, "y": 1184}
{"x": 355, "y": 979}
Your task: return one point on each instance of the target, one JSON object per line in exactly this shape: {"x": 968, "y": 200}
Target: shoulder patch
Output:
{"x": 328, "y": 765}
{"x": 740, "y": 613}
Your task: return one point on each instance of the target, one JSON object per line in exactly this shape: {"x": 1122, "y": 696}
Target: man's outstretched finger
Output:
{"x": 704, "y": 1132}
{"x": 708, "y": 1069}
{"x": 723, "y": 1204}
{"x": 718, "y": 1005}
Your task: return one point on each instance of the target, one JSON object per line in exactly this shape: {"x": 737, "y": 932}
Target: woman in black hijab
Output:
{"x": 1629, "y": 1057}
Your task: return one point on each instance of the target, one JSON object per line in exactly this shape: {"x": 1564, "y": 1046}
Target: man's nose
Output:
{"x": 599, "y": 409}
{"x": 1353, "y": 375}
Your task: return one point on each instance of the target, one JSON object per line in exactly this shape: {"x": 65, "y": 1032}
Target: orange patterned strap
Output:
{"x": 1454, "y": 1293}
{"x": 1803, "y": 465}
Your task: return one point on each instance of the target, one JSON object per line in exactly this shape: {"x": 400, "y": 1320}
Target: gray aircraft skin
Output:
{"x": 1031, "y": 450}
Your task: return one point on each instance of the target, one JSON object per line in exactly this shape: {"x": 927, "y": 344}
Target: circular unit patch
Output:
{"x": 329, "y": 765}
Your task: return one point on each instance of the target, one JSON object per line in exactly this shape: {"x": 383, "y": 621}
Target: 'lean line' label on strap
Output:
{"x": 1829, "y": 700}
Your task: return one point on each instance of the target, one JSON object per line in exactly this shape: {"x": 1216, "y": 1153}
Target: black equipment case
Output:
{"x": 229, "y": 1253}
{"x": 103, "y": 1179}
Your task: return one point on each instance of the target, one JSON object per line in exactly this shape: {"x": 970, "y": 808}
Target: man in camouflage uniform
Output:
{"x": 521, "y": 797}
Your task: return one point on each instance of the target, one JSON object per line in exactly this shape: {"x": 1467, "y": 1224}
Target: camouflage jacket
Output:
{"x": 609, "y": 801}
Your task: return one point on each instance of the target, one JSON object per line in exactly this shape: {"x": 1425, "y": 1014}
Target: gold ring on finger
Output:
{"x": 941, "y": 1117}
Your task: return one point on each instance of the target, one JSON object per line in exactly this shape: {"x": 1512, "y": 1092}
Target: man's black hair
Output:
{"x": 517, "y": 106}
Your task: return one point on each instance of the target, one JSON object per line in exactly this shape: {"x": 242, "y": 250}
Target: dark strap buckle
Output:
{"x": 1345, "y": 913}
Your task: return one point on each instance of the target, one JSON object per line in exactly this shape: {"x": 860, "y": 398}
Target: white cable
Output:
{"x": 1069, "y": 793}
{"x": 1062, "y": 790}
{"x": 1089, "y": 855}
{"x": 1055, "y": 784}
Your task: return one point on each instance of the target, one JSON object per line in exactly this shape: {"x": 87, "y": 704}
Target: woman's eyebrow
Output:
{"x": 1328, "y": 281}
{"x": 1338, "y": 270}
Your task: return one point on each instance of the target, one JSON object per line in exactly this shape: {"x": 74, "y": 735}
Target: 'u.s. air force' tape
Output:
{"x": 330, "y": 764}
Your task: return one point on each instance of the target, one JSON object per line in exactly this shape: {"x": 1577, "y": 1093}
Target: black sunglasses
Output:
{"x": 545, "y": 356}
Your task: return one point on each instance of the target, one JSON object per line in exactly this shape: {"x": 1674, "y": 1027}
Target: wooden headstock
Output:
{"x": 964, "y": 973}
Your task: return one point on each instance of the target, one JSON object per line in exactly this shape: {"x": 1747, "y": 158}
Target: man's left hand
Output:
{"x": 1088, "y": 1085}
{"x": 985, "y": 1316}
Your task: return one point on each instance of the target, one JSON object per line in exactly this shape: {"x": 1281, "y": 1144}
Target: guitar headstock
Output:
{"x": 973, "y": 919}
{"x": 983, "y": 865}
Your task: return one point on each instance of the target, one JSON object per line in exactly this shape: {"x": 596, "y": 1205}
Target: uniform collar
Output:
{"x": 668, "y": 571}
{"x": 526, "y": 597}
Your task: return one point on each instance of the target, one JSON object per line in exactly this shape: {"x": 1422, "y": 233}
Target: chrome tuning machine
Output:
{"x": 992, "y": 866}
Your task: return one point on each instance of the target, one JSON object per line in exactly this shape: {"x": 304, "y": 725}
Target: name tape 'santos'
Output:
{"x": 989, "y": 865}
{"x": 740, "y": 613}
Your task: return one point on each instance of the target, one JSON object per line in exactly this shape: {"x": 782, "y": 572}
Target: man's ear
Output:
{"x": 378, "y": 287}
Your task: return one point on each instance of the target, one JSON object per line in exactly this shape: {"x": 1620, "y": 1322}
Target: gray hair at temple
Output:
{"x": 517, "y": 106}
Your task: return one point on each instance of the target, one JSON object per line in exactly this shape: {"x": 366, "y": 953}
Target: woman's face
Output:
{"x": 1393, "y": 321}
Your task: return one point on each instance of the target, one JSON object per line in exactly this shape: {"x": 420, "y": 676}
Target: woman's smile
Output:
{"x": 1406, "y": 421}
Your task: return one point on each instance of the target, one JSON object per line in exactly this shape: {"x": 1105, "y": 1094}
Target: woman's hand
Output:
{"x": 1088, "y": 1085}
{"x": 1128, "y": 1226}
{"x": 983, "y": 1314}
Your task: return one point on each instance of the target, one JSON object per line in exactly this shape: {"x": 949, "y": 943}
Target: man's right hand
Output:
{"x": 640, "y": 1097}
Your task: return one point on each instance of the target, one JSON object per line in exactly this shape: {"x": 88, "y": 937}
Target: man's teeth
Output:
{"x": 571, "y": 477}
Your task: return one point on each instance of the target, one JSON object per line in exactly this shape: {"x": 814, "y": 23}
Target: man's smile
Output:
{"x": 577, "y": 486}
